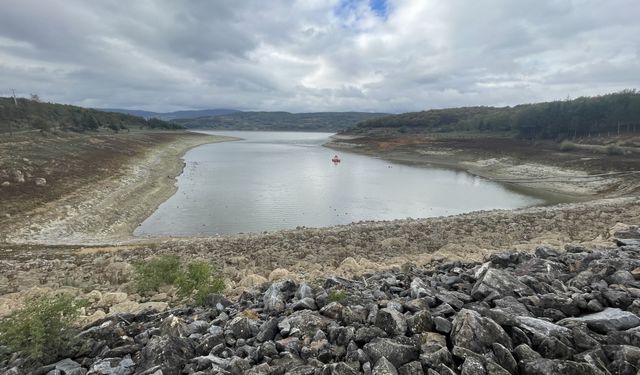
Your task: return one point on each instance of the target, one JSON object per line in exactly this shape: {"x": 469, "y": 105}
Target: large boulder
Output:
{"x": 476, "y": 333}
{"x": 398, "y": 354}
{"x": 308, "y": 322}
{"x": 610, "y": 319}
{"x": 169, "y": 352}
{"x": 391, "y": 321}
{"x": 544, "y": 366}
{"x": 497, "y": 283}
{"x": 276, "y": 296}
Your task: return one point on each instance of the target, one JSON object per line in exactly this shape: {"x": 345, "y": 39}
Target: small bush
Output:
{"x": 153, "y": 274}
{"x": 198, "y": 282}
{"x": 567, "y": 146}
{"x": 614, "y": 150}
{"x": 195, "y": 280}
{"x": 40, "y": 329}
{"x": 337, "y": 295}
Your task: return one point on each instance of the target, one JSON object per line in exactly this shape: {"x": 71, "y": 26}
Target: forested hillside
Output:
{"x": 26, "y": 114}
{"x": 319, "y": 121}
{"x": 610, "y": 114}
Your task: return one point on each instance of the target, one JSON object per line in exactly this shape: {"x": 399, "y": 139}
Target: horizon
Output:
{"x": 327, "y": 56}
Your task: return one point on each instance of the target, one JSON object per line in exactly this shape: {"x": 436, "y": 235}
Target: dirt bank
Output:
{"x": 539, "y": 167}
{"x": 309, "y": 254}
{"x": 98, "y": 188}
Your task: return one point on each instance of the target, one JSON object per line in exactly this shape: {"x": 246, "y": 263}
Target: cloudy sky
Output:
{"x": 317, "y": 55}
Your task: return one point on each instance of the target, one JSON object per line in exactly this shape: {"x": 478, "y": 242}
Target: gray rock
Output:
{"x": 497, "y": 283}
{"x": 332, "y": 311}
{"x": 198, "y": 326}
{"x": 217, "y": 301}
{"x": 411, "y": 368}
{"x": 512, "y": 305}
{"x": 70, "y": 367}
{"x": 240, "y": 327}
{"x": 305, "y": 303}
{"x": 524, "y": 353}
{"x": 437, "y": 358}
{"x": 398, "y": 354}
{"x": 114, "y": 366}
{"x": 540, "y": 329}
{"x": 610, "y": 319}
{"x": 238, "y": 366}
{"x": 304, "y": 291}
{"x": 551, "y": 347}
{"x": 420, "y": 322}
{"x": 472, "y": 366}
{"x": 418, "y": 288}
{"x": 274, "y": 299}
{"x": 595, "y": 306}
{"x": 175, "y": 327}
{"x": 392, "y": 322}
{"x": 384, "y": 367}
{"x": 308, "y": 322}
{"x": 169, "y": 352}
{"x": 301, "y": 370}
{"x": 546, "y": 252}
{"x": 626, "y": 360}
{"x": 341, "y": 368}
{"x": 442, "y": 325}
{"x": 504, "y": 358}
{"x": 546, "y": 366}
{"x": 268, "y": 330}
{"x": 366, "y": 334}
{"x": 489, "y": 365}
{"x": 477, "y": 333}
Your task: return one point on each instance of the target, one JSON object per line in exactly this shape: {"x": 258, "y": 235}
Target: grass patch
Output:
{"x": 337, "y": 295}
{"x": 41, "y": 328}
{"x": 197, "y": 282}
{"x": 157, "y": 272}
{"x": 194, "y": 281}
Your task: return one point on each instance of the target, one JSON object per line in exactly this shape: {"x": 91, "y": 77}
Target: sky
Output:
{"x": 314, "y": 55}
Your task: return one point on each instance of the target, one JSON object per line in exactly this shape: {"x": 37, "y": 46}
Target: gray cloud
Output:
{"x": 317, "y": 55}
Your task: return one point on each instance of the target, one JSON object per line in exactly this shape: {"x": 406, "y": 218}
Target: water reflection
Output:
{"x": 280, "y": 180}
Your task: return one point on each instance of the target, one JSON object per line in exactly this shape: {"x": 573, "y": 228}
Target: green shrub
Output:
{"x": 41, "y": 328}
{"x": 567, "y": 146}
{"x": 159, "y": 271}
{"x": 337, "y": 295}
{"x": 194, "y": 280}
{"x": 614, "y": 150}
{"x": 198, "y": 282}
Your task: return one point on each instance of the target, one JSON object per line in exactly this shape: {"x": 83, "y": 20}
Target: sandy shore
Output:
{"x": 108, "y": 210}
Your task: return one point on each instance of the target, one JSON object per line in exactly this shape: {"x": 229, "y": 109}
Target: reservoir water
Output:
{"x": 282, "y": 180}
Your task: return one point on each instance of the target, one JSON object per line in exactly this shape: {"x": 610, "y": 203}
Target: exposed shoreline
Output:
{"x": 555, "y": 184}
{"x": 109, "y": 210}
{"x": 93, "y": 247}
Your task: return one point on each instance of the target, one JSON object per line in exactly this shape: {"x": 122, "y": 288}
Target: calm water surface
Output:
{"x": 281, "y": 180}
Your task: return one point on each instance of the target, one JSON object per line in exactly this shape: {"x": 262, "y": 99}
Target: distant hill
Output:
{"x": 34, "y": 115}
{"x": 318, "y": 121}
{"x": 167, "y": 116}
{"x": 609, "y": 114}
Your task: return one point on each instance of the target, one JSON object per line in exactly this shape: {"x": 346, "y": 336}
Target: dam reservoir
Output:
{"x": 282, "y": 180}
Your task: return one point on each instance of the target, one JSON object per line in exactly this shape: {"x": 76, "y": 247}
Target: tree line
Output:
{"x": 31, "y": 114}
{"x": 605, "y": 115}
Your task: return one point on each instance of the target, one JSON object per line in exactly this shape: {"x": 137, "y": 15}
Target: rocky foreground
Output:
{"x": 571, "y": 311}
